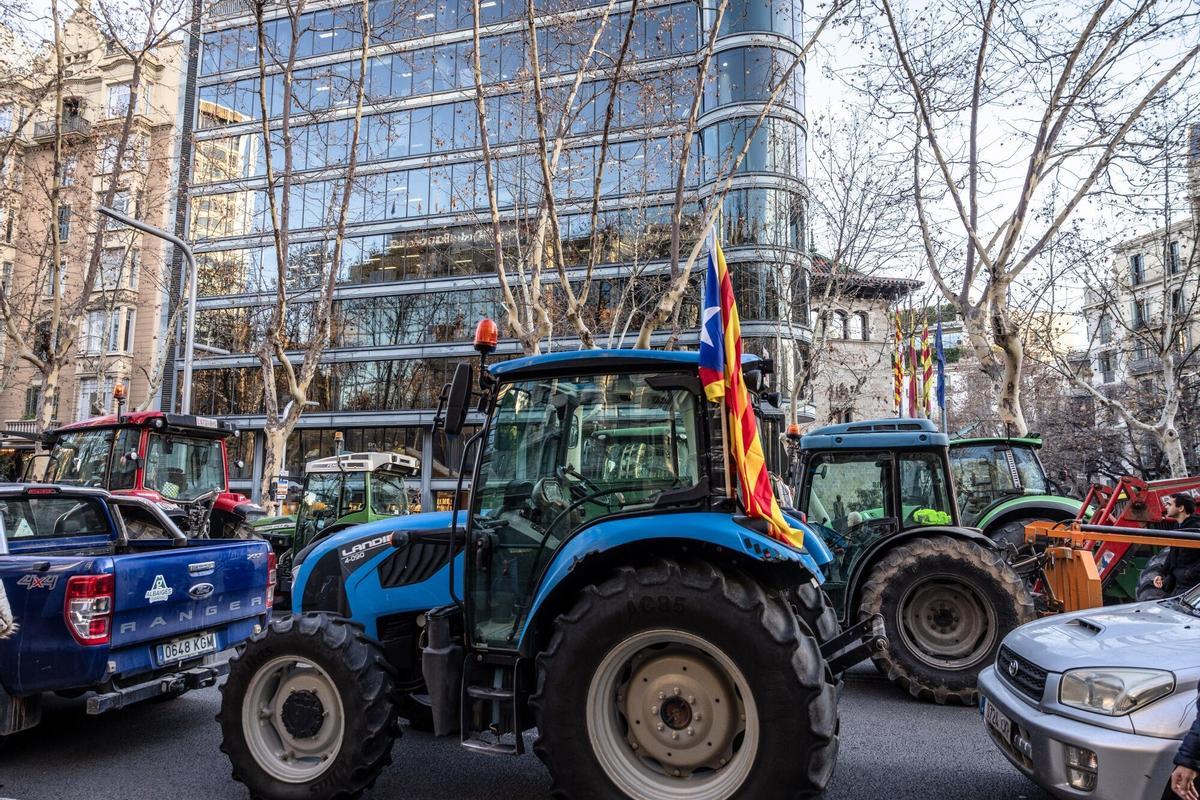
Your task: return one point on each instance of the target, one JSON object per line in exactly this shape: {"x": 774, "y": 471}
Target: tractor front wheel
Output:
{"x": 946, "y": 604}
{"x": 680, "y": 679}
{"x": 307, "y": 711}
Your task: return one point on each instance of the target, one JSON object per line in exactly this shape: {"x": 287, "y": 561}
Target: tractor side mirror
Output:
{"x": 754, "y": 380}
{"x": 457, "y": 396}
{"x": 294, "y": 492}
{"x": 132, "y": 456}
{"x": 240, "y": 464}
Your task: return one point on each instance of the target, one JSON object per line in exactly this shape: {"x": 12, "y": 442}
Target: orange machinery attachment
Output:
{"x": 1070, "y": 577}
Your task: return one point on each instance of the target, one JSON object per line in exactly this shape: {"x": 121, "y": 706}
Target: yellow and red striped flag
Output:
{"x": 721, "y": 374}
{"x": 927, "y": 371}
{"x": 898, "y": 384}
{"x": 913, "y": 372}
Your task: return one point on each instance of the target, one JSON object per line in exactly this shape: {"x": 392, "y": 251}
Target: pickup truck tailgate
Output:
{"x": 170, "y": 593}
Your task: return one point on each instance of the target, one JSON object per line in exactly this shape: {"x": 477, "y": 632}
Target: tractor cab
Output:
{"x": 859, "y": 483}
{"x": 352, "y": 488}
{"x": 177, "y": 461}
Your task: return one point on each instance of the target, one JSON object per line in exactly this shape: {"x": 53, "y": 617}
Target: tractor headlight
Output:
{"x": 1114, "y": 691}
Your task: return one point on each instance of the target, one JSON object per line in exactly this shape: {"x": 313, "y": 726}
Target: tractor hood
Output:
{"x": 1154, "y": 635}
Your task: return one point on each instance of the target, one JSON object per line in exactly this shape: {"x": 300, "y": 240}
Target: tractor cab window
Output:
{"x": 182, "y": 468}
{"x": 80, "y": 459}
{"x": 560, "y": 454}
{"x": 986, "y": 474}
{"x": 321, "y": 502}
{"x": 124, "y": 460}
{"x": 847, "y": 493}
{"x": 389, "y": 495}
{"x": 924, "y": 495}
{"x": 354, "y": 494}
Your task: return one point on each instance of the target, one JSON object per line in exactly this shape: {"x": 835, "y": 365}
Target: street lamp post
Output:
{"x": 185, "y": 402}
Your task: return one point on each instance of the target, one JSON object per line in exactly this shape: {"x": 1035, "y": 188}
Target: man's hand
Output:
{"x": 1183, "y": 783}
{"x": 1158, "y": 582}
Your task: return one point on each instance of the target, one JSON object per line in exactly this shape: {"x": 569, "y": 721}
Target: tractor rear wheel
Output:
{"x": 307, "y": 711}
{"x": 679, "y": 678}
{"x": 1157, "y": 565}
{"x": 946, "y": 604}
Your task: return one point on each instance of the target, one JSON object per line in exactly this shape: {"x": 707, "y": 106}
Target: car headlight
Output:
{"x": 1114, "y": 691}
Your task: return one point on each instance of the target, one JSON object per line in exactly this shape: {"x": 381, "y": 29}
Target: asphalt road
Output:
{"x": 893, "y": 748}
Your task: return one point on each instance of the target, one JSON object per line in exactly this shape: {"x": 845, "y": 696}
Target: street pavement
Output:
{"x": 893, "y": 748}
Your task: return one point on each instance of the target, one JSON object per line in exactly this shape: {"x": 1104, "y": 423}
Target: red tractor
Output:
{"x": 177, "y": 461}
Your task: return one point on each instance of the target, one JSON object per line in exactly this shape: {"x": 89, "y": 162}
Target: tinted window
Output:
{"x": 51, "y": 516}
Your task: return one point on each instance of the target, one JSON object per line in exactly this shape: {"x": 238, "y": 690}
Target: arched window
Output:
{"x": 864, "y": 326}
{"x": 837, "y": 325}
{"x": 855, "y": 328}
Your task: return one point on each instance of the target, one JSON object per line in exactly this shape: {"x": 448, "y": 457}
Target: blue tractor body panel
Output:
{"x": 711, "y": 528}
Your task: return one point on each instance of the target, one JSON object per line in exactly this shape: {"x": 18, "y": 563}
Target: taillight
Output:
{"x": 272, "y": 579}
{"x": 88, "y": 609}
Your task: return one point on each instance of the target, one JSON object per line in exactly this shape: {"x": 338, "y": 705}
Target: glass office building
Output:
{"x": 417, "y": 269}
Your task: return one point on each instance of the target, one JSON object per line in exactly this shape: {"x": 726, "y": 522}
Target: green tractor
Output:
{"x": 1002, "y": 487}
{"x": 338, "y": 492}
{"x": 880, "y": 494}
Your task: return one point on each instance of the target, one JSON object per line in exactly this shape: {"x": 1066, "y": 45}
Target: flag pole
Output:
{"x": 725, "y": 447}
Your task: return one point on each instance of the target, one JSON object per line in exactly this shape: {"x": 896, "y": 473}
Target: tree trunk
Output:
{"x": 1172, "y": 446}
{"x": 49, "y": 401}
{"x": 274, "y": 444}
{"x": 1008, "y": 392}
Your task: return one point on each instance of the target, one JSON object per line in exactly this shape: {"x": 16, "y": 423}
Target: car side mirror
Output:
{"x": 457, "y": 395}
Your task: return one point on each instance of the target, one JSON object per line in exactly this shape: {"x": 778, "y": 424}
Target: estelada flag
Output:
{"x": 721, "y": 374}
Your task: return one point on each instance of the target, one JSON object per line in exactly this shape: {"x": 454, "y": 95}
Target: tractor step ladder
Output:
{"x": 492, "y": 700}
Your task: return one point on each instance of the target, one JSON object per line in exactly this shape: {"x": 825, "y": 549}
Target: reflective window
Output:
{"x": 770, "y": 217}
{"x": 750, "y": 74}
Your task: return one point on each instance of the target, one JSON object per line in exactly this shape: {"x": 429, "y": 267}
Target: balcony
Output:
{"x": 1140, "y": 366}
{"x": 26, "y": 426}
{"x": 71, "y": 126}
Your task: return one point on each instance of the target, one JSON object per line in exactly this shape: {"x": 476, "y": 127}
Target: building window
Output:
{"x": 864, "y": 325}
{"x": 1173, "y": 256}
{"x": 6, "y": 274}
{"x": 1141, "y": 313}
{"x": 1105, "y": 331}
{"x": 130, "y": 328}
{"x": 1177, "y": 303}
{"x": 1137, "y": 270}
{"x": 64, "y": 223}
{"x": 6, "y": 224}
{"x": 838, "y": 325}
{"x": 854, "y": 327}
{"x": 114, "y": 329}
{"x": 32, "y": 396}
{"x": 66, "y": 171}
{"x": 1107, "y": 367}
{"x": 93, "y": 332}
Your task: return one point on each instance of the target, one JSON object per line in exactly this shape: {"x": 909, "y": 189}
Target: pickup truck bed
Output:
{"x": 83, "y": 609}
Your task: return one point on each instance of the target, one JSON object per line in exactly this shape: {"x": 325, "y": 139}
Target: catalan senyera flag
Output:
{"x": 898, "y": 383}
{"x": 913, "y": 372}
{"x": 721, "y": 374}
{"x": 900, "y": 366}
{"x": 926, "y": 372}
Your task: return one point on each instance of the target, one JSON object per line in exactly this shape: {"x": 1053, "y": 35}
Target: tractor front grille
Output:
{"x": 1022, "y": 674}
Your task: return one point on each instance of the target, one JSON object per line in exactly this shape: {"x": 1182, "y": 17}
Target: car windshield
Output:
{"x": 184, "y": 468}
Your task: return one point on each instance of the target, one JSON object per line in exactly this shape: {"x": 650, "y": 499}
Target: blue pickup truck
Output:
{"x": 84, "y": 609}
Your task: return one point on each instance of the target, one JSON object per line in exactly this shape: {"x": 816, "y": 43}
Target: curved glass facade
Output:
{"x": 417, "y": 269}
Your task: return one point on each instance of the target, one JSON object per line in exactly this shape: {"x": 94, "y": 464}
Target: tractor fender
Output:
{"x": 1040, "y": 506}
{"x": 869, "y": 557}
{"x": 602, "y": 545}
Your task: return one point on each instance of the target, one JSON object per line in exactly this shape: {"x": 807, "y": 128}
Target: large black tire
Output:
{"x": 811, "y": 604}
{"x": 946, "y": 605}
{"x": 353, "y": 667}
{"x": 730, "y": 620}
{"x": 1146, "y": 590}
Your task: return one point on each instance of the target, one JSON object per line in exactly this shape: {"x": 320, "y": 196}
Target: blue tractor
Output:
{"x": 600, "y": 586}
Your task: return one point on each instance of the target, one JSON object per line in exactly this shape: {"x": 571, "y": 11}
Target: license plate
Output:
{"x": 183, "y": 649}
{"x": 997, "y": 720}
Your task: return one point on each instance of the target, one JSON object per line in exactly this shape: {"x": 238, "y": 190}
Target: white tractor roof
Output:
{"x": 364, "y": 462}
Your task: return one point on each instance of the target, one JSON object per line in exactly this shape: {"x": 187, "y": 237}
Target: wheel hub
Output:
{"x": 302, "y": 714}
{"x": 946, "y": 623}
{"x": 682, "y": 712}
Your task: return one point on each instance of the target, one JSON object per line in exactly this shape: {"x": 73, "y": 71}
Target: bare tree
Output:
{"x": 42, "y": 316}
{"x": 311, "y": 273}
{"x": 1063, "y": 89}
